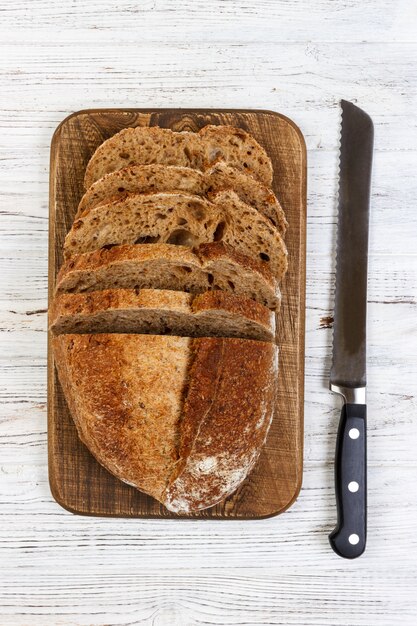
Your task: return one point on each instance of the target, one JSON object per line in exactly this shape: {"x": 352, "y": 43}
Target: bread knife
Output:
{"x": 348, "y": 372}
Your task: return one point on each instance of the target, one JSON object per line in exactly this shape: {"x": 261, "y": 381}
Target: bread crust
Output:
{"x": 238, "y": 305}
{"x": 125, "y": 394}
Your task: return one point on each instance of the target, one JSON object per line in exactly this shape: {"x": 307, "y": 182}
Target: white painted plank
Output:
{"x": 217, "y": 20}
{"x": 301, "y": 80}
{"x": 187, "y": 599}
{"x": 36, "y": 533}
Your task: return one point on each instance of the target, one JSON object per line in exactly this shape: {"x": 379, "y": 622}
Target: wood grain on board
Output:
{"x": 77, "y": 480}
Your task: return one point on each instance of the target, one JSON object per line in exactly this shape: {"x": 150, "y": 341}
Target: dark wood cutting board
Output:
{"x": 78, "y": 482}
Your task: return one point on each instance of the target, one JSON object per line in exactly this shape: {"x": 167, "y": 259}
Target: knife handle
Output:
{"x": 348, "y": 539}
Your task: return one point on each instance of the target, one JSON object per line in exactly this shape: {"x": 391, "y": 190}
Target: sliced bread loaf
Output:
{"x": 182, "y": 219}
{"x": 144, "y": 145}
{"x": 161, "y": 312}
{"x": 156, "y": 178}
{"x": 166, "y": 266}
{"x": 181, "y": 419}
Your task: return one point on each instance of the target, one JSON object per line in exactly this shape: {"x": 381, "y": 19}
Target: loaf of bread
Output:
{"x": 180, "y": 219}
{"x": 144, "y": 145}
{"x": 211, "y": 266}
{"x": 161, "y": 312}
{"x": 163, "y": 317}
{"x": 156, "y": 178}
{"x": 181, "y": 419}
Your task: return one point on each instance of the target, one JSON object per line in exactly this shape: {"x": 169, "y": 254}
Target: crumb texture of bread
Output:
{"x": 181, "y": 419}
{"x": 180, "y": 219}
{"x": 213, "y": 266}
{"x": 157, "y": 178}
{"x": 144, "y": 145}
{"x": 152, "y": 311}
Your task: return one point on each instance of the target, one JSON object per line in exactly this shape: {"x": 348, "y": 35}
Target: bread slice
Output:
{"x": 156, "y": 178}
{"x": 165, "y": 266}
{"x": 181, "y": 419}
{"x": 222, "y": 176}
{"x": 182, "y": 219}
{"x": 144, "y": 145}
{"x": 161, "y": 312}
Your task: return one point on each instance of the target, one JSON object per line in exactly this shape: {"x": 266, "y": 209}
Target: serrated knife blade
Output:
{"x": 348, "y": 372}
{"x": 349, "y": 329}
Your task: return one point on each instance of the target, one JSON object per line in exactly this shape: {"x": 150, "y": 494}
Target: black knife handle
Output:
{"x": 348, "y": 539}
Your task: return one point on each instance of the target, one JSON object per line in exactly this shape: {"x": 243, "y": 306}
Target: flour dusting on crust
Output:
{"x": 212, "y": 478}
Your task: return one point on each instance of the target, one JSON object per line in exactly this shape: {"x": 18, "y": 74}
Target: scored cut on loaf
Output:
{"x": 147, "y": 145}
{"x": 181, "y": 419}
{"x": 161, "y": 312}
{"x": 209, "y": 267}
{"x": 182, "y": 219}
{"x": 155, "y": 178}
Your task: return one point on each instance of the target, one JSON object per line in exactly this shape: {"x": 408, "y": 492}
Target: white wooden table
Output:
{"x": 299, "y": 58}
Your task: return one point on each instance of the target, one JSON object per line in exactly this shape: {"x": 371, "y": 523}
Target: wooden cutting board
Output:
{"x": 78, "y": 482}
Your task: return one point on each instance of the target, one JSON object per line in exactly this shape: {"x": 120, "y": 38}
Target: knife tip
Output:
{"x": 354, "y": 115}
